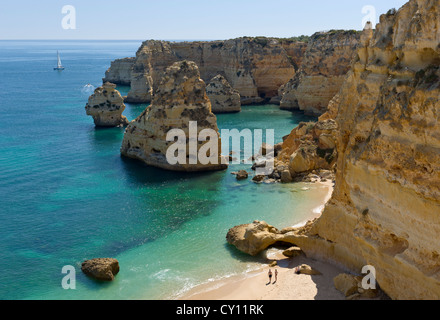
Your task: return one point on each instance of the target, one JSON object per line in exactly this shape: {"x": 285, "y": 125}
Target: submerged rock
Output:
{"x": 242, "y": 175}
{"x": 104, "y": 269}
{"x": 106, "y": 105}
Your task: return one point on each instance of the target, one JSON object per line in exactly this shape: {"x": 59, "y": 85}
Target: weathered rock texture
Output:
{"x": 310, "y": 146}
{"x": 223, "y": 97}
{"x": 120, "y": 71}
{"x": 180, "y": 98}
{"x": 385, "y": 209}
{"x": 324, "y": 66}
{"x": 106, "y": 105}
{"x": 255, "y": 67}
{"x": 104, "y": 269}
{"x": 253, "y": 238}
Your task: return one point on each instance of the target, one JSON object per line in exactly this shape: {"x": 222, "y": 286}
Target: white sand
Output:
{"x": 290, "y": 286}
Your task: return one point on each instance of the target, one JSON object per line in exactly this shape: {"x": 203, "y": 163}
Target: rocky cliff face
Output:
{"x": 180, "y": 99}
{"x": 310, "y": 146}
{"x": 255, "y": 67}
{"x": 106, "y": 105}
{"x": 223, "y": 97}
{"x": 323, "y": 69}
{"x": 152, "y": 59}
{"x": 385, "y": 209}
{"x": 120, "y": 72}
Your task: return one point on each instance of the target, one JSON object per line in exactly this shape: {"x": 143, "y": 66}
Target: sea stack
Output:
{"x": 179, "y": 103}
{"x": 106, "y": 105}
{"x": 224, "y": 98}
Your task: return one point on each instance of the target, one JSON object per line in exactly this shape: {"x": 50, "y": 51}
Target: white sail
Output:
{"x": 59, "y": 60}
{"x": 59, "y": 65}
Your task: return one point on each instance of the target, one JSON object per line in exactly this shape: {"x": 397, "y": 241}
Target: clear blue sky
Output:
{"x": 182, "y": 19}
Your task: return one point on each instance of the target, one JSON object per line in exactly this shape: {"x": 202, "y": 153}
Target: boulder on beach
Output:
{"x": 306, "y": 269}
{"x": 292, "y": 252}
{"x": 351, "y": 286}
{"x": 254, "y": 237}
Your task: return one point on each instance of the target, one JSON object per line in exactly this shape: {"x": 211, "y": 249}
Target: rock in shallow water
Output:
{"x": 104, "y": 269}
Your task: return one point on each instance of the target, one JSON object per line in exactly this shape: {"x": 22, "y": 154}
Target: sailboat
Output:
{"x": 59, "y": 66}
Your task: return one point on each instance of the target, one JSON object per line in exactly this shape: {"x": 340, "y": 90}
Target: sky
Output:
{"x": 182, "y": 19}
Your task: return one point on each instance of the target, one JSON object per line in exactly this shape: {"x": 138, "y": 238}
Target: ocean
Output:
{"x": 67, "y": 195}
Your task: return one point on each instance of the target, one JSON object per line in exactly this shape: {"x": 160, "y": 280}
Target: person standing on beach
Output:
{"x": 270, "y": 275}
{"x": 276, "y": 275}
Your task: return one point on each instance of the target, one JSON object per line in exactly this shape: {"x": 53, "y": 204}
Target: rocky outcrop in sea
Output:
{"x": 178, "y": 103}
{"x": 223, "y": 97}
{"x": 104, "y": 269}
{"x": 106, "y": 105}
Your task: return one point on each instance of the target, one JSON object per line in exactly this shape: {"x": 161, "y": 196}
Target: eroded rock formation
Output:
{"x": 386, "y": 204}
{"x": 255, "y": 67}
{"x": 385, "y": 209}
{"x": 223, "y": 97}
{"x": 120, "y": 71}
{"x": 106, "y": 105}
{"x": 180, "y": 99}
{"x": 324, "y": 66}
{"x": 310, "y": 146}
{"x": 104, "y": 269}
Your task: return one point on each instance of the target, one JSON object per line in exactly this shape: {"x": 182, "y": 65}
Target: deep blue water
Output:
{"x": 67, "y": 195}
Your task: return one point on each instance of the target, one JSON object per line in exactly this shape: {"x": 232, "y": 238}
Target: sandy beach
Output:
{"x": 289, "y": 285}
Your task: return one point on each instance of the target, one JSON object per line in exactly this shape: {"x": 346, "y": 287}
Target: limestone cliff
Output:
{"x": 106, "y": 105}
{"x": 386, "y": 205}
{"x": 120, "y": 71}
{"x": 152, "y": 59}
{"x": 223, "y": 97}
{"x": 180, "y": 99}
{"x": 385, "y": 210}
{"x": 255, "y": 67}
{"x": 323, "y": 69}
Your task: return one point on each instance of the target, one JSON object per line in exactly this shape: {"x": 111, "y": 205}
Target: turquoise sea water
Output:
{"x": 67, "y": 195}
